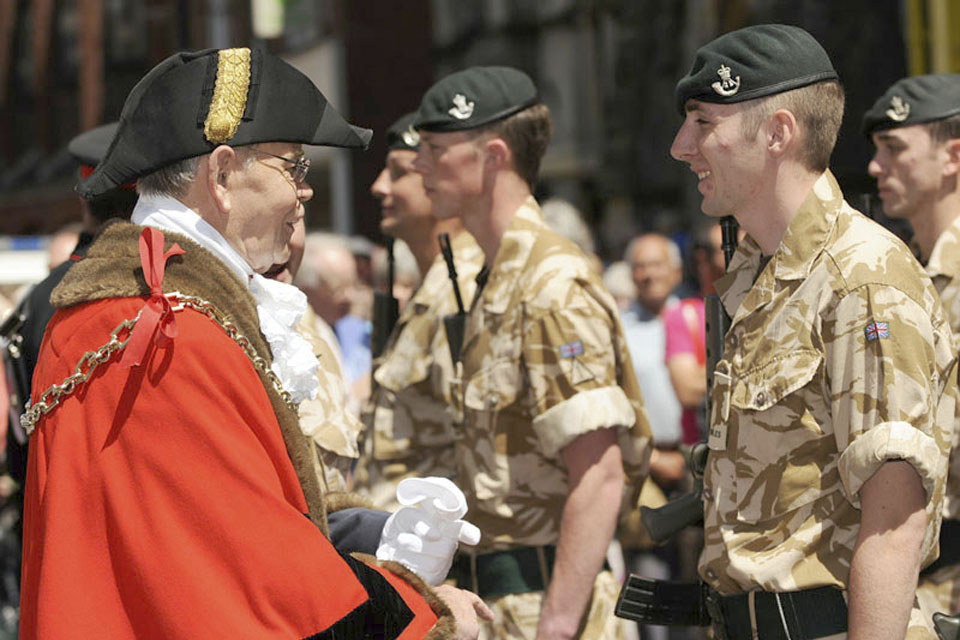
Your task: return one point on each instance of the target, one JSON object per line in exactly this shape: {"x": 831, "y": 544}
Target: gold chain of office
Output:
{"x": 119, "y": 338}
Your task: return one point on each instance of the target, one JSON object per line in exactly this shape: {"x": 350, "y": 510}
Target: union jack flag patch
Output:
{"x": 876, "y": 330}
{"x": 571, "y": 349}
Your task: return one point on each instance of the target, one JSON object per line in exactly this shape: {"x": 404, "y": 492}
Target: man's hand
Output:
{"x": 466, "y": 607}
{"x": 423, "y": 534}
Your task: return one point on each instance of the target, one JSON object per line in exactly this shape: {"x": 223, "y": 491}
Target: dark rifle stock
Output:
{"x": 386, "y": 309}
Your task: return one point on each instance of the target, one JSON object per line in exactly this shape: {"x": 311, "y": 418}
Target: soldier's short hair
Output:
{"x": 527, "y": 133}
{"x": 818, "y": 109}
{"x": 944, "y": 130}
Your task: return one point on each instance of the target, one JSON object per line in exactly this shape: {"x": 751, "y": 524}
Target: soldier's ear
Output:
{"x": 951, "y": 167}
{"x": 781, "y": 132}
{"x": 498, "y": 154}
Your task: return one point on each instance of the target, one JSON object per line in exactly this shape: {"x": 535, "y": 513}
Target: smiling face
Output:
{"x": 266, "y": 204}
{"x": 909, "y": 167}
{"x": 728, "y": 166}
{"x": 452, "y": 166}
{"x": 403, "y": 202}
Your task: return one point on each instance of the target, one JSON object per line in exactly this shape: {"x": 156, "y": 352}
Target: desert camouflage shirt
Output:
{"x": 331, "y": 428}
{"x": 410, "y": 419}
{"x": 544, "y": 361}
{"x": 839, "y": 358}
{"x": 943, "y": 267}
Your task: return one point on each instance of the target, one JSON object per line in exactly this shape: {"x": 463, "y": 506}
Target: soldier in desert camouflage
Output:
{"x": 834, "y": 401}
{"x": 915, "y": 126}
{"x": 411, "y": 417}
{"x": 553, "y": 416}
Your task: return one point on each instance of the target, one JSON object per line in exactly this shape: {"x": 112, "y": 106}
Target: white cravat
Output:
{"x": 279, "y": 305}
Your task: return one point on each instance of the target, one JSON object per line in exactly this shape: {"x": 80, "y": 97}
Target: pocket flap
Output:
{"x": 764, "y": 386}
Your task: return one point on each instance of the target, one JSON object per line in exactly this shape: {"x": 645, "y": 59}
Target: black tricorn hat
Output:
{"x": 194, "y": 101}
{"x": 89, "y": 147}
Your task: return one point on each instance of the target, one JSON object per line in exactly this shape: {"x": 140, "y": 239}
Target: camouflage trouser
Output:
{"x": 940, "y": 591}
{"x": 516, "y": 615}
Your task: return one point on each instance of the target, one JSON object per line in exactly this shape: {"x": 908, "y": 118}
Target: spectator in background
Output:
{"x": 619, "y": 282}
{"x": 567, "y": 220}
{"x": 685, "y": 336}
{"x": 656, "y": 270}
{"x": 656, "y": 267}
{"x": 328, "y": 276}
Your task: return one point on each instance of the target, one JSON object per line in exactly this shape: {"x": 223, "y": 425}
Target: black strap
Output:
{"x": 501, "y": 573}
{"x": 807, "y": 615}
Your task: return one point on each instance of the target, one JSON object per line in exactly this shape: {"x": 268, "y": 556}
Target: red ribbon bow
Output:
{"x": 157, "y": 312}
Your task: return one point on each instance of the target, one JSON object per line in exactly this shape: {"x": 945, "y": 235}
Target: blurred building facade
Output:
{"x": 606, "y": 68}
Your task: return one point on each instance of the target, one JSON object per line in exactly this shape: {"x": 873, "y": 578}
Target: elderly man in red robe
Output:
{"x": 170, "y": 491}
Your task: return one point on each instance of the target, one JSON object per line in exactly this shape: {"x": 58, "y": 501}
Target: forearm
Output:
{"x": 689, "y": 379}
{"x": 886, "y": 558}
{"x": 588, "y": 524}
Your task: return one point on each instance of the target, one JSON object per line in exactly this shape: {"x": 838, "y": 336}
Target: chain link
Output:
{"x": 119, "y": 338}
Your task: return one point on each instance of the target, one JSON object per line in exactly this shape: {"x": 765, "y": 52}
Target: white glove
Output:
{"x": 423, "y": 534}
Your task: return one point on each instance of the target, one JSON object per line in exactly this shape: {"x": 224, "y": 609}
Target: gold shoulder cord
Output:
{"x": 118, "y": 341}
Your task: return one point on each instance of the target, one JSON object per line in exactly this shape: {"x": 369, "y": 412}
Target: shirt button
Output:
{"x": 708, "y": 494}
{"x": 761, "y": 397}
{"x": 711, "y": 574}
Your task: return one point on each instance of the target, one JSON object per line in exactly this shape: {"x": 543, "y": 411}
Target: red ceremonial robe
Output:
{"x": 161, "y": 500}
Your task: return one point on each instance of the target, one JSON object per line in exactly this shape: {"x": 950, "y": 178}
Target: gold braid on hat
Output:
{"x": 229, "y": 95}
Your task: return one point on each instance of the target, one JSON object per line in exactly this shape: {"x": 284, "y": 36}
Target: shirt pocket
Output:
{"x": 494, "y": 387}
{"x": 781, "y": 450}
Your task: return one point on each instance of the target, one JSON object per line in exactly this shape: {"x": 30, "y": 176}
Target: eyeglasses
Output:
{"x": 300, "y": 166}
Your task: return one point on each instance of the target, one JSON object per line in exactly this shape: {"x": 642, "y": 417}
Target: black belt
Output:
{"x": 949, "y": 547}
{"x": 798, "y": 615}
{"x": 499, "y": 573}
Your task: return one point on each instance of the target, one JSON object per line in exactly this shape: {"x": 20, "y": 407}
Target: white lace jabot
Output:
{"x": 279, "y": 305}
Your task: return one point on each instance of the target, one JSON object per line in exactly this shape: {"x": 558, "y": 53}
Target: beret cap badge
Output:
{"x": 229, "y": 95}
{"x": 461, "y": 109}
{"x": 899, "y": 109}
{"x": 411, "y": 137}
{"x": 727, "y": 86}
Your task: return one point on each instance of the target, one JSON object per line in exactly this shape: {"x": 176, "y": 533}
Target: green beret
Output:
{"x": 402, "y": 134}
{"x": 89, "y": 147}
{"x": 914, "y": 100}
{"x": 754, "y": 62}
{"x": 475, "y": 97}
{"x": 194, "y": 101}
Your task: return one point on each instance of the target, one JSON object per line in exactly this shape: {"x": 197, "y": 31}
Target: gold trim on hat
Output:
{"x": 229, "y": 95}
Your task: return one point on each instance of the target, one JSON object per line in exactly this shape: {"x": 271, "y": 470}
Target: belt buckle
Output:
{"x": 712, "y": 601}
